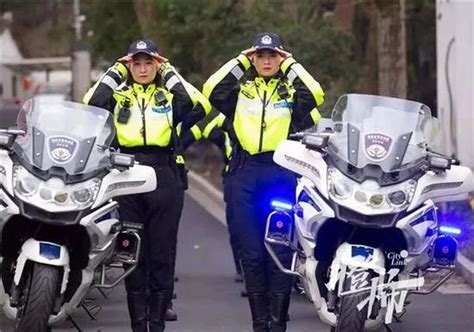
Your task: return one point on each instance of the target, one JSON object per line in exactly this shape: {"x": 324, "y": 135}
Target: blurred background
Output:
{"x": 416, "y": 49}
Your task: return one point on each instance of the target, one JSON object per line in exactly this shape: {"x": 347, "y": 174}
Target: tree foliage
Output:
{"x": 198, "y": 36}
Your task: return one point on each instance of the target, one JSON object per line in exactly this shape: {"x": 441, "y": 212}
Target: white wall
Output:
{"x": 9, "y": 52}
{"x": 455, "y": 25}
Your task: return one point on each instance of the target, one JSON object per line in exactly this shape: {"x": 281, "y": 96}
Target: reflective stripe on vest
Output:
{"x": 261, "y": 127}
{"x": 151, "y": 127}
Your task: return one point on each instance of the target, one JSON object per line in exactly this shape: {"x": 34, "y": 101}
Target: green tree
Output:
{"x": 113, "y": 27}
{"x": 198, "y": 36}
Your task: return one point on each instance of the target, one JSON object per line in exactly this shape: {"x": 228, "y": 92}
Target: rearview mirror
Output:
{"x": 438, "y": 163}
{"x": 122, "y": 160}
{"x": 315, "y": 142}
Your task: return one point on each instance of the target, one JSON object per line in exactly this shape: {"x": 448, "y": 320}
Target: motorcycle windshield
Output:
{"x": 389, "y": 132}
{"x": 72, "y": 136}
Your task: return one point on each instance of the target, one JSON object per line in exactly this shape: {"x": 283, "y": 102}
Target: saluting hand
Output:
{"x": 125, "y": 60}
{"x": 284, "y": 55}
{"x": 159, "y": 59}
{"x": 249, "y": 53}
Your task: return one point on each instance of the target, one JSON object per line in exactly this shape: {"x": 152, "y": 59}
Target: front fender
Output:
{"x": 33, "y": 250}
{"x": 355, "y": 256}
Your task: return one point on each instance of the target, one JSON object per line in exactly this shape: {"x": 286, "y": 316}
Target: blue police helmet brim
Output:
{"x": 144, "y": 52}
{"x": 272, "y": 48}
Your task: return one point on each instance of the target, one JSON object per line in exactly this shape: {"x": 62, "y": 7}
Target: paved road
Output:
{"x": 209, "y": 301}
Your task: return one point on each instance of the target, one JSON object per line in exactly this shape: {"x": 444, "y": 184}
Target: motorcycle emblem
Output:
{"x": 267, "y": 40}
{"x": 62, "y": 149}
{"x": 377, "y": 146}
{"x": 141, "y": 45}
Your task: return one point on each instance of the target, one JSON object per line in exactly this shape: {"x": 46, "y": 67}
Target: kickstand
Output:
{"x": 89, "y": 306}
{"x": 387, "y": 328}
{"x": 69, "y": 317}
{"x": 398, "y": 317}
{"x": 103, "y": 293}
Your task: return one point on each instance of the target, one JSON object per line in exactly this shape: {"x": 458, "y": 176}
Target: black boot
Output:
{"x": 259, "y": 309}
{"x": 157, "y": 310}
{"x": 137, "y": 308}
{"x": 279, "y": 304}
{"x": 171, "y": 315}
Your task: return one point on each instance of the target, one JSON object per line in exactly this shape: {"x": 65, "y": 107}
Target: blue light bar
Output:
{"x": 450, "y": 230}
{"x": 282, "y": 205}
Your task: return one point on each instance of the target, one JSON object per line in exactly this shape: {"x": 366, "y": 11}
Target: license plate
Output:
{"x": 49, "y": 250}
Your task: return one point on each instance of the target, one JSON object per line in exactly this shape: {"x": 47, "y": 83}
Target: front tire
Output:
{"x": 350, "y": 318}
{"x": 37, "y": 298}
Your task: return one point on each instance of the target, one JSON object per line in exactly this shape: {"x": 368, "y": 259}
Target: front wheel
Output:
{"x": 350, "y": 318}
{"x": 37, "y": 298}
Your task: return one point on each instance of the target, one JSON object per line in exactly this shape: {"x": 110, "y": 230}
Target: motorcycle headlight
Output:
{"x": 54, "y": 194}
{"x": 82, "y": 196}
{"x": 61, "y": 197}
{"x": 397, "y": 198}
{"x": 339, "y": 185}
{"x": 369, "y": 197}
{"x": 25, "y": 184}
{"x": 376, "y": 200}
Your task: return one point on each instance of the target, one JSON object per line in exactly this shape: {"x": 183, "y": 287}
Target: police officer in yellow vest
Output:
{"x": 148, "y": 98}
{"x": 280, "y": 98}
{"x": 214, "y": 128}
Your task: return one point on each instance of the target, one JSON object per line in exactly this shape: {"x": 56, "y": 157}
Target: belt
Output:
{"x": 150, "y": 155}
{"x": 262, "y": 158}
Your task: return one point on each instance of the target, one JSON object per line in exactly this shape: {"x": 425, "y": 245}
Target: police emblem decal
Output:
{"x": 267, "y": 40}
{"x": 377, "y": 146}
{"x": 61, "y": 148}
{"x": 141, "y": 45}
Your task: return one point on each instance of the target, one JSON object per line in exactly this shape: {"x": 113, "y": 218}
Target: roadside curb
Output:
{"x": 211, "y": 199}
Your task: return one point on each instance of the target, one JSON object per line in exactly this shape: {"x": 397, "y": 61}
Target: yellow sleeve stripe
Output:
{"x": 122, "y": 69}
{"x": 286, "y": 64}
{"x": 310, "y": 82}
{"x": 244, "y": 60}
{"x": 315, "y": 115}
{"x": 201, "y": 99}
{"x": 196, "y": 132}
{"x": 196, "y": 96}
{"x": 211, "y": 125}
{"x": 220, "y": 120}
{"x": 89, "y": 93}
{"x": 219, "y": 76}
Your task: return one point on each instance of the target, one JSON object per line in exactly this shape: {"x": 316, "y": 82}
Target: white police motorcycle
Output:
{"x": 364, "y": 229}
{"x": 59, "y": 226}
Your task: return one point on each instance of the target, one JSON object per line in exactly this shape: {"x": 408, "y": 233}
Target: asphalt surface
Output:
{"x": 209, "y": 299}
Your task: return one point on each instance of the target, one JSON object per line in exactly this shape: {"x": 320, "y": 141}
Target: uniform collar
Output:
{"x": 261, "y": 83}
{"x": 140, "y": 88}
